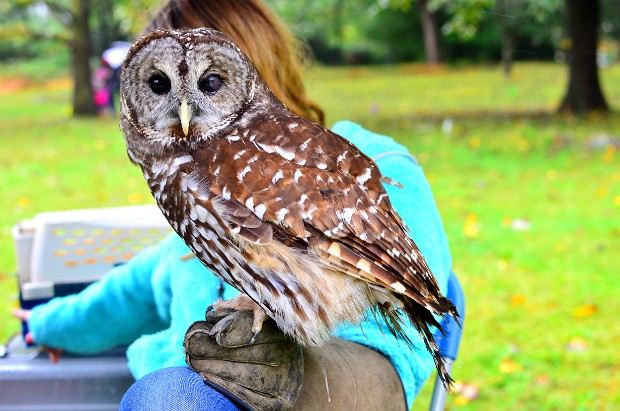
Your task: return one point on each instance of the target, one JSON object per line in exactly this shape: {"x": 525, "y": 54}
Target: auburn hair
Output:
{"x": 263, "y": 37}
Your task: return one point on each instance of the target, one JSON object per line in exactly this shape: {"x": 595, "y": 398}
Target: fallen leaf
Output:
{"x": 23, "y": 201}
{"x": 517, "y": 299}
{"x": 461, "y": 400}
{"x": 466, "y": 392}
{"x": 610, "y": 151}
{"x": 577, "y": 344}
{"x": 472, "y": 228}
{"x": 508, "y": 366}
{"x": 135, "y": 198}
{"x": 584, "y": 311}
{"x": 474, "y": 142}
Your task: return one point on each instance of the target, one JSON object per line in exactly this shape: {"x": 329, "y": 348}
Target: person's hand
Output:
{"x": 266, "y": 375}
{"x": 21, "y": 314}
{"x": 24, "y": 315}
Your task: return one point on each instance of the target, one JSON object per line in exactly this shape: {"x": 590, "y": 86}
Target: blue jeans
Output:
{"x": 174, "y": 389}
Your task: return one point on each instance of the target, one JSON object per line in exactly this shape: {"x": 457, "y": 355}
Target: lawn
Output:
{"x": 530, "y": 202}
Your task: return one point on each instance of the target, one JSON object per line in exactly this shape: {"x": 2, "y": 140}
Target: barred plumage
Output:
{"x": 289, "y": 213}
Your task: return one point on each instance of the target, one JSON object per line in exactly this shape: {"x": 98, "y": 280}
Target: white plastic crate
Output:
{"x": 79, "y": 246}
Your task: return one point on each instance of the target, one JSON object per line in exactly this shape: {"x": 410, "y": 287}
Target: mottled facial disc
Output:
{"x": 185, "y": 85}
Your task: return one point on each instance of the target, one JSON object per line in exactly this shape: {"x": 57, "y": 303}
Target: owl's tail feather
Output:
{"x": 422, "y": 319}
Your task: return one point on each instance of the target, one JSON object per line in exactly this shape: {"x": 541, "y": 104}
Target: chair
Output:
{"x": 449, "y": 344}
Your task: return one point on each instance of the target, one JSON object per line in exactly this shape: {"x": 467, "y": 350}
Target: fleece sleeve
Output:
{"x": 415, "y": 204}
{"x": 111, "y": 312}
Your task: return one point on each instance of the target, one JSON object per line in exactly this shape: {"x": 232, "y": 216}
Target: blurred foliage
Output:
{"x": 338, "y": 31}
{"x": 390, "y": 31}
{"x": 30, "y": 28}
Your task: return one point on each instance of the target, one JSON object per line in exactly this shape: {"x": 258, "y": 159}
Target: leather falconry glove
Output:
{"x": 266, "y": 375}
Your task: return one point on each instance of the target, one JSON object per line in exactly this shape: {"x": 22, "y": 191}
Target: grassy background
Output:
{"x": 530, "y": 202}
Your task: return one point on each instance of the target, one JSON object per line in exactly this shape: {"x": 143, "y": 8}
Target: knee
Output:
{"x": 173, "y": 389}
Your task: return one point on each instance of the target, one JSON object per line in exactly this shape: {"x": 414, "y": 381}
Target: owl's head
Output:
{"x": 180, "y": 87}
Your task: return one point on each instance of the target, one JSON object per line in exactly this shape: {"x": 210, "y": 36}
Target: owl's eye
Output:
{"x": 210, "y": 83}
{"x": 159, "y": 83}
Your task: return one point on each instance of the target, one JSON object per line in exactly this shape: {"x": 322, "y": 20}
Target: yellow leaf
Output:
{"x": 601, "y": 191}
{"x": 586, "y": 310}
{"x": 617, "y": 200}
{"x": 23, "y": 201}
{"x": 474, "y": 142}
{"x": 135, "y": 198}
{"x": 508, "y": 366}
{"x": 461, "y": 400}
{"x": 472, "y": 227}
{"x": 518, "y": 299}
{"x": 610, "y": 151}
{"x": 577, "y": 344}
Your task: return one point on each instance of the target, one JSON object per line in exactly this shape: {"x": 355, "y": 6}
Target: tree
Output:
{"x": 81, "y": 45}
{"x": 430, "y": 32}
{"x": 77, "y": 23}
{"x": 507, "y": 25}
{"x": 427, "y": 15}
{"x": 72, "y": 21}
{"x": 584, "y": 91}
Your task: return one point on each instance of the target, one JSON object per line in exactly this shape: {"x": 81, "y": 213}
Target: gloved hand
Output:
{"x": 266, "y": 375}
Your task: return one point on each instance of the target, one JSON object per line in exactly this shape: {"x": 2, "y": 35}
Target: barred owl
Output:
{"x": 289, "y": 213}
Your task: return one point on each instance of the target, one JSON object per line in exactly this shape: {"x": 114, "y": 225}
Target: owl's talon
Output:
{"x": 243, "y": 303}
{"x": 254, "y": 337}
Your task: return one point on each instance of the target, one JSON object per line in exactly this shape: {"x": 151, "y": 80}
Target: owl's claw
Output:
{"x": 211, "y": 307}
{"x": 243, "y": 303}
{"x": 254, "y": 337}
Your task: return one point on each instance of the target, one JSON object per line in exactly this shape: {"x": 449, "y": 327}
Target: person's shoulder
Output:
{"x": 371, "y": 143}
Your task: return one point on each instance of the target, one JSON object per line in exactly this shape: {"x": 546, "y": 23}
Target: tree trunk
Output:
{"x": 584, "y": 91}
{"x": 83, "y": 104}
{"x": 507, "y": 27}
{"x": 105, "y": 33}
{"x": 429, "y": 32}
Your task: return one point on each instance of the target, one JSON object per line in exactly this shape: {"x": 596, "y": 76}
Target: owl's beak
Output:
{"x": 185, "y": 114}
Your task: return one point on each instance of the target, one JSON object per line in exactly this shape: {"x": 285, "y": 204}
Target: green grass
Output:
{"x": 540, "y": 331}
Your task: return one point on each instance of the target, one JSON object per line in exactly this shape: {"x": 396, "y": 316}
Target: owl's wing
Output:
{"x": 297, "y": 182}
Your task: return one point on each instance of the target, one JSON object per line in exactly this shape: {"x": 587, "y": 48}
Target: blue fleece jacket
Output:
{"x": 150, "y": 302}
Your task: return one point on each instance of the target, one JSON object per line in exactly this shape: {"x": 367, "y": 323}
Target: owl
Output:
{"x": 289, "y": 213}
